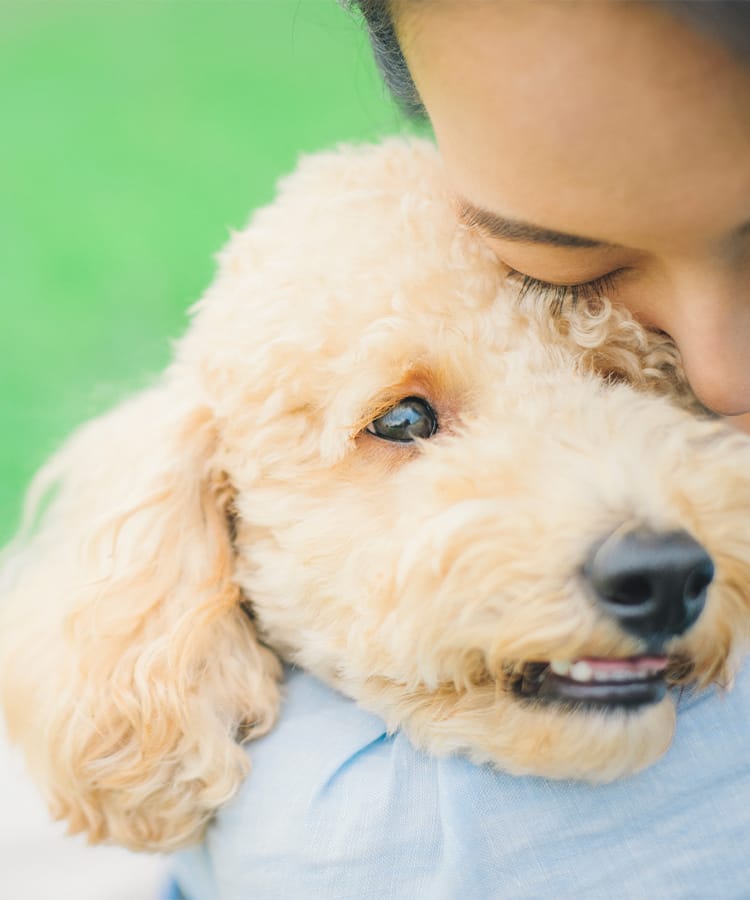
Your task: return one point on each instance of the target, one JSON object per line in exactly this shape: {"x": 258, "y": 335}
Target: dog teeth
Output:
{"x": 582, "y": 671}
{"x": 560, "y": 666}
{"x": 579, "y": 671}
{"x": 625, "y": 675}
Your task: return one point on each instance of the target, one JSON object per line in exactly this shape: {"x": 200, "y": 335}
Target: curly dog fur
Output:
{"x": 241, "y": 511}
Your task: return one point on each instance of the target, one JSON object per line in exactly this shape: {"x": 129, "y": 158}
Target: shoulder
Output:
{"x": 334, "y": 804}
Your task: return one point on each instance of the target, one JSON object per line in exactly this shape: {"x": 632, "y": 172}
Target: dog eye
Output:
{"x": 409, "y": 419}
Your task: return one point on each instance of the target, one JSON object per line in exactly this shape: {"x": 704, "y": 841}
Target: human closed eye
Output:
{"x": 557, "y": 296}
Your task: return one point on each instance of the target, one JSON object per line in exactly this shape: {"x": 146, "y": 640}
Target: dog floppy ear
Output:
{"x": 128, "y": 666}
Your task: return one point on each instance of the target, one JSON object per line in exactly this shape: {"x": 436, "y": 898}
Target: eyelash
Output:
{"x": 556, "y": 296}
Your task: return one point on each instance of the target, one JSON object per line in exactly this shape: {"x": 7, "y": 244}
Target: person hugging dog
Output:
{"x": 423, "y": 571}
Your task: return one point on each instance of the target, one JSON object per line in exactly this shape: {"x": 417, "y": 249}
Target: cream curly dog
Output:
{"x": 503, "y": 528}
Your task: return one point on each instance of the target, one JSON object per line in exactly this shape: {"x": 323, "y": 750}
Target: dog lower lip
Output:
{"x": 644, "y": 691}
{"x": 596, "y": 683}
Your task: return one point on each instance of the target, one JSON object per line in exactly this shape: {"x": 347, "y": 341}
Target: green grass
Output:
{"x": 135, "y": 134}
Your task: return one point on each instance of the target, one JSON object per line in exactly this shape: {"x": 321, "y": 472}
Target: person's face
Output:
{"x": 613, "y": 122}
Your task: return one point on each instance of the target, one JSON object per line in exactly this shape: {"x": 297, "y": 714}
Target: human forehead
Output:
{"x": 610, "y": 119}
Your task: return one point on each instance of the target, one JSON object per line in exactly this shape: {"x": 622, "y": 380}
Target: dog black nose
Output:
{"x": 653, "y": 583}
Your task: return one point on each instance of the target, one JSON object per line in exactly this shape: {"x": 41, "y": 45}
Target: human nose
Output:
{"x": 708, "y": 317}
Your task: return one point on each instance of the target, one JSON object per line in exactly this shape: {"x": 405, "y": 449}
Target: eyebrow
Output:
{"x": 498, "y": 226}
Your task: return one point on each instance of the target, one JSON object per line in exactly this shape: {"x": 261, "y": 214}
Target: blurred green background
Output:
{"x": 134, "y": 135}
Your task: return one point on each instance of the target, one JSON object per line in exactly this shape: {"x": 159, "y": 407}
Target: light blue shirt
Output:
{"x": 337, "y": 809}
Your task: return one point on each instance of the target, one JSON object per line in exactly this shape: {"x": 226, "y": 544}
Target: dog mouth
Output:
{"x": 594, "y": 682}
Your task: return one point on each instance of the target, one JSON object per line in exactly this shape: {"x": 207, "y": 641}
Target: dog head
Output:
{"x": 503, "y": 530}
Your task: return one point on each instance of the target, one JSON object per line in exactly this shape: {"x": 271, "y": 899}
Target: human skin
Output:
{"x": 614, "y": 122}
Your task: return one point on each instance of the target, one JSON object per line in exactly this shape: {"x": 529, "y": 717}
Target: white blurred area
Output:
{"x": 38, "y": 862}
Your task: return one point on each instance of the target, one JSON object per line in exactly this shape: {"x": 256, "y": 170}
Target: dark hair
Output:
{"x": 726, "y": 21}
{"x": 388, "y": 56}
